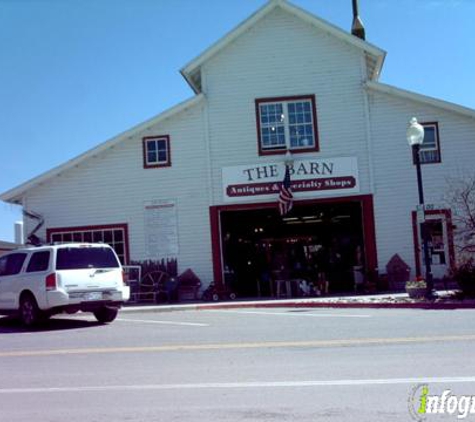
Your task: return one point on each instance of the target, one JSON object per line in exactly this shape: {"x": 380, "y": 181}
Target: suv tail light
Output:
{"x": 125, "y": 278}
{"x": 50, "y": 282}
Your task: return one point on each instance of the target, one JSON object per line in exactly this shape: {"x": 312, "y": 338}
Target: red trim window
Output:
{"x": 115, "y": 235}
{"x": 156, "y": 151}
{"x": 286, "y": 124}
{"x": 430, "y": 148}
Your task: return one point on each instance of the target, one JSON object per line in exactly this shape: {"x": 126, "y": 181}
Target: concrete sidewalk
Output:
{"x": 445, "y": 300}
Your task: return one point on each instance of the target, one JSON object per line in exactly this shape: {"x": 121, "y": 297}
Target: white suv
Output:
{"x": 38, "y": 282}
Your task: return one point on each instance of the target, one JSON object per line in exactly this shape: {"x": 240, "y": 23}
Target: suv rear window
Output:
{"x": 80, "y": 258}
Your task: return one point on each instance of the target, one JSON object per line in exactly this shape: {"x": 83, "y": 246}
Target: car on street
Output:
{"x": 37, "y": 282}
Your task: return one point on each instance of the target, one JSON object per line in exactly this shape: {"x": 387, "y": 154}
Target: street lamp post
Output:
{"x": 415, "y": 137}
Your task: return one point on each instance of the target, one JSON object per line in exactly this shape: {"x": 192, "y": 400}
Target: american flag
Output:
{"x": 286, "y": 199}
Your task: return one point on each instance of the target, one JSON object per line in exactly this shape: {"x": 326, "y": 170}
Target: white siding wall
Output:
{"x": 112, "y": 187}
{"x": 282, "y": 56}
{"x": 396, "y": 194}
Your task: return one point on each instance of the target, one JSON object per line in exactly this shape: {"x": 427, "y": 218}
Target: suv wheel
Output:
{"x": 29, "y": 312}
{"x": 106, "y": 314}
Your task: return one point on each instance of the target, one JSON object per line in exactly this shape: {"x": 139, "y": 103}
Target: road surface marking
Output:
{"x": 241, "y": 385}
{"x": 151, "y": 321}
{"x": 236, "y": 346}
{"x": 319, "y": 315}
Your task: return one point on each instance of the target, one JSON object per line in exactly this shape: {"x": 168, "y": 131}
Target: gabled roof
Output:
{"x": 408, "y": 95}
{"x": 15, "y": 195}
{"x": 374, "y": 55}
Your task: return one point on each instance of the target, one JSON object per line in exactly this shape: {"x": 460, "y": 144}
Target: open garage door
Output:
{"x": 316, "y": 242}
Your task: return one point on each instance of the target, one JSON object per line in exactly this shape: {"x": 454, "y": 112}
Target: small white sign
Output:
{"x": 420, "y": 213}
{"x": 161, "y": 228}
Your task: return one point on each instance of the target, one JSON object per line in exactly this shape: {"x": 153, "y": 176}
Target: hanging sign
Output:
{"x": 309, "y": 178}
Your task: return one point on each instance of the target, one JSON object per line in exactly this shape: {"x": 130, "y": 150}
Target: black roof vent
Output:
{"x": 357, "y": 28}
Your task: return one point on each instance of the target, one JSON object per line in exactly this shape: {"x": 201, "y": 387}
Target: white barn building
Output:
{"x": 199, "y": 183}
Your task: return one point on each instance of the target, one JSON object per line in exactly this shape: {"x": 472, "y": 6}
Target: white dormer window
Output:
{"x": 286, "y": 124}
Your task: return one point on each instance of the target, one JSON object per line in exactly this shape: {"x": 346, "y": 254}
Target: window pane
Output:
{"x": 56, "y": 237}
{"x": 157, "y": 151}
{"x": 151, "y": 157}
{"x": 39, "y": 262}
{"x": 437, "y": 247}
{"x": 14, "y": 263}
{"x": 151, "y": 146}
{"x": 108, "y": 236}
{"x": 79, "y": 258}
{"x": 274, "y": 136}
{"x": 429, "y": 138}
{"x": 429, "y": 156}
{"x": 429, "y": 151}
{"x": 300, "y": 125}
{"x": 161, "y": 145}
{"x": 272, "y": 126}
{"x": 294, "y": 118}
{"x": 281, "y": 136}
{"x": 3, "y": 266}
{"x": 118, "y": 236}
{"x": 265, "y": 140}
{"x": 119, "y": 248}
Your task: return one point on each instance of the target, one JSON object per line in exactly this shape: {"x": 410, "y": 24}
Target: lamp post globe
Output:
{"x": 289, "y": 159}
{"x": 415, "y": 133}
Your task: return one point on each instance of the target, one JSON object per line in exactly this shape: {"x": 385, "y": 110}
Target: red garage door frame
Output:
{"x": 369, "y": 232}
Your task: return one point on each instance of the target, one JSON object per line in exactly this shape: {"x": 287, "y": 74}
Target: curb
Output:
{"x": 449, "y": 305}
{"x": 420, "y": 305}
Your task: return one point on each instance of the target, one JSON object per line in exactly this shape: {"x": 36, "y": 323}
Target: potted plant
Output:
{"x": 417, "y": 288}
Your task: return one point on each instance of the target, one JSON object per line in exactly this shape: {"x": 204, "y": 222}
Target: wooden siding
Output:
{"x": 396, "y": 194}
{"x": 281, "y": 56}
{"x": 113, "y": 187}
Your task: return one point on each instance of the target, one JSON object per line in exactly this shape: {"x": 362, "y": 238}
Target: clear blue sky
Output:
{"x": 74, "y": 73}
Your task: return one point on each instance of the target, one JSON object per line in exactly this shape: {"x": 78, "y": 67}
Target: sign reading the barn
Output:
{"x": 309, "y": 178}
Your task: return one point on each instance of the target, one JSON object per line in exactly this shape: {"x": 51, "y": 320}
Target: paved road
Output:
{"x": 235, "y": 365}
